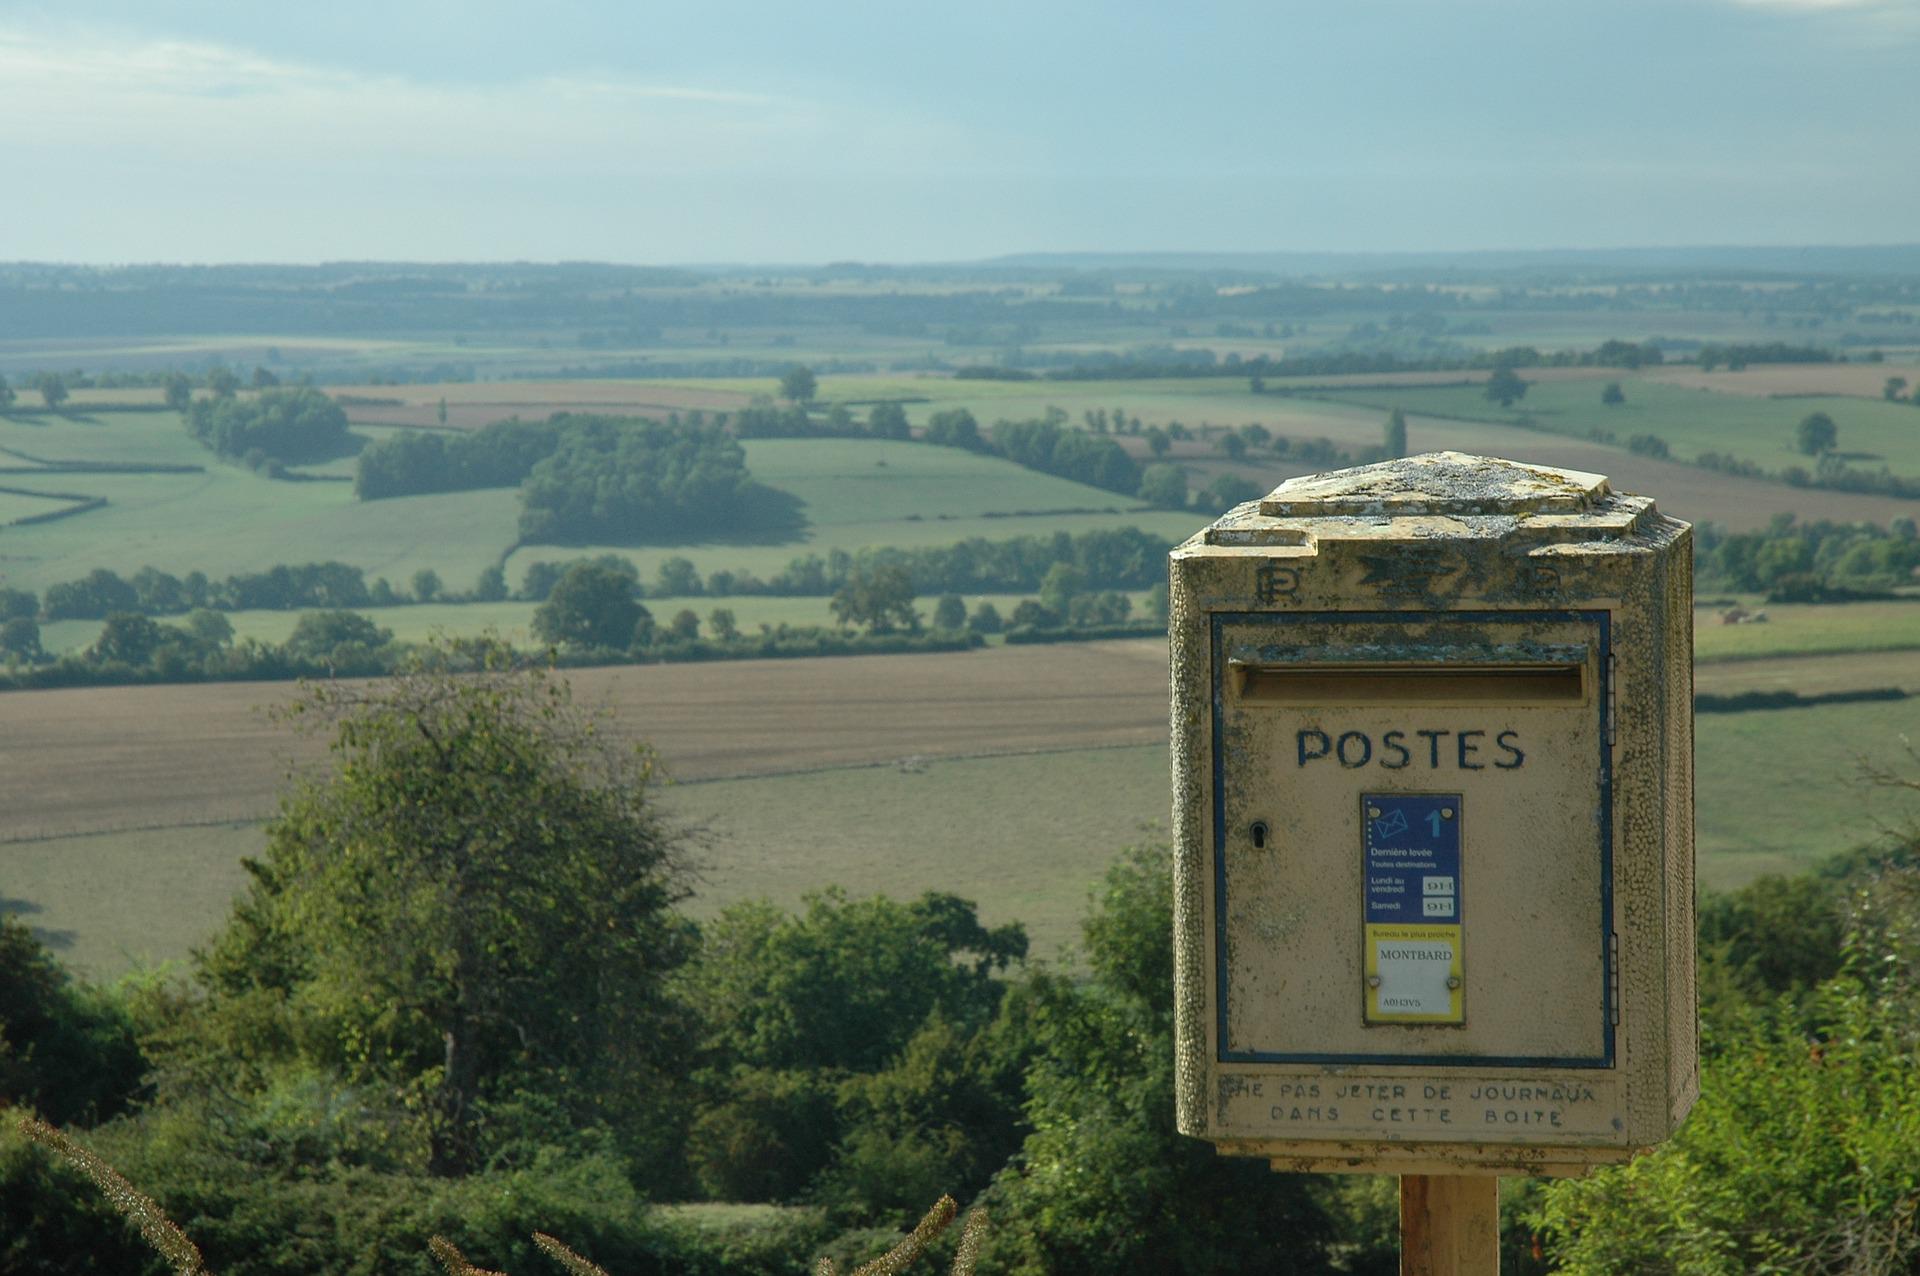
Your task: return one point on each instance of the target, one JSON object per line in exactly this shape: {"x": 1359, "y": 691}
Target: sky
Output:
{"x": 925, "y": 130}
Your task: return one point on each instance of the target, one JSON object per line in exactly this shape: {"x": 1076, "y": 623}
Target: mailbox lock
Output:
{"x": 1258, "y": 832}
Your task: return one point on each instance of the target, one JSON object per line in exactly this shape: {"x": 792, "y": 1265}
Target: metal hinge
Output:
{"x": 1613, "y": 699}
{"x": 1613, "y": 978}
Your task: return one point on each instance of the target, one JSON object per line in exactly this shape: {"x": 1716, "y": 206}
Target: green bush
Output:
{"x": 1799, "y": 1155}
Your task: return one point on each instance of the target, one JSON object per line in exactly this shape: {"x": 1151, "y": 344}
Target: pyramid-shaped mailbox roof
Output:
{"x": 1453, "y": 483}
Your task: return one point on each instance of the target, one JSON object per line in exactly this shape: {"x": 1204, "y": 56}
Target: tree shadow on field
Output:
{"x": 767, "y": 516}
{"x": 59, "y": 939}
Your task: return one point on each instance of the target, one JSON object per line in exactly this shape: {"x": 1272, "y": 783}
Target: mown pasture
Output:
{"x": 1807, "y": 629}
{"x": 1007, "y": 775}
{"x": 1690, "y": 421}
{"x": 226, "y": 519}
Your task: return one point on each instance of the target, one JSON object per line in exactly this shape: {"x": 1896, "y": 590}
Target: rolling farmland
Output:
{"x": 1009, "y": 775}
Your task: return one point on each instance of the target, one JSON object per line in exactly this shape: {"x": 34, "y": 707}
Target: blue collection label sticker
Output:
{"x": 1413, "y": 913}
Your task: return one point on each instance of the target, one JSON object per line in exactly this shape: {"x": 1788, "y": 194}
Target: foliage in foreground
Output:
{"x": 178, "y": 1251}
{"x": 1800, "y": 1155}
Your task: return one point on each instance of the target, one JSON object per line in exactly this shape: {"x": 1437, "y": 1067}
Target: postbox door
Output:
{"x": 1412, "y": 838}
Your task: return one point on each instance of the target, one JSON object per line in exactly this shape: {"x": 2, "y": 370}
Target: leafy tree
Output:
{"x": 6, "y": 395}
{"x": 685, "y": 625}
{"x": 1894, "y": 387}
{"x": 1164, "y": 485}
{"x": 426, "y": 585}
{"x": 17, "y": 603}
{"x": 1816, "y": 434}
{"x": 159, "y": 593}
{"x": 722, "y": 625}
{"x": 66, "y": 1052}
{"x": 888, "y": 421}
{"x": 52, "y": 387}
{"x": 677, "y": 578}
{"x": 471, "y": 914}
{"x": 20, "y": 640}
{"x": 440, "y": 412}
{"x": 621, "y": 481}
{"x": 263, "y": 378}
{"x": 210, "y": 628}
{"x": 491, "y": 587}
{"x": 284, "y": 425}
{"x": 1158, "y": 441}
{"x": 1028, "y": 613}
{"x": 1395, "y": 441}
{"x": 881, "y": 600}
{"x": 1234, "y": 446}
{"x": 1108, "y": 607}
{"x": 126, "y": 639}
{"x": 1157, "y": 601}
{"x": 798, "y": 384}
{"x": 847, "y": 982}
{"x": 985, "y": 619}
{"x": 1048, "y": 446}
{"x": 954, "y": 427}
{"x": 1227, "y": 491}
{"x": 592, "y": 606}
{"x": 1505, "y": 387}
{"x": 950, "y": 612}
{"x": 101, "y": 592}
{"x": 222, "y": 381}
{"x": 1104, "y": 1183}
{"x": 1613, "y": 396}
{"x": 1059, "y": 586}
{"x": 335, "y": 637}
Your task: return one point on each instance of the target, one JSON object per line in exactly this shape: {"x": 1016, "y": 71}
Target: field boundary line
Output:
{"x": 1743, "y": 657}
{"x": 897, "y": 763}
{"x": 26, "y": 839}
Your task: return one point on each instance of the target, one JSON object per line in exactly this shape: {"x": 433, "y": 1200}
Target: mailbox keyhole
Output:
{"x": 1259, "y": 834}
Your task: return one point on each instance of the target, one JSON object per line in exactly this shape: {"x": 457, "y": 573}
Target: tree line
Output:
{"x": 280, "y": 426}
{"x": 1799, "y": 561}
{"x": 582, "y": 478}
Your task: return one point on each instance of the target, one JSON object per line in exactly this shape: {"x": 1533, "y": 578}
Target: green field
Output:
{"x": 1804, "y": 629}
{"x": 855, "y": 493}
{"x": 1760, "y": 430}
{"x": 861, "y": 492}
{"x": 23, "y": 505}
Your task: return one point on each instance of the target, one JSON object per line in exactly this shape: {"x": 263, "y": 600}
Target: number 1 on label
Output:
{"x": 1433, "y": 818}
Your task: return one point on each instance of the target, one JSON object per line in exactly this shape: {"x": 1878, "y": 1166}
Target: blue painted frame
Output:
{"x": 1602, "y": 624}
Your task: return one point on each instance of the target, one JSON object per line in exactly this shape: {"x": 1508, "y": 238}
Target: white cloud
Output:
{"x": 196, "y": 104}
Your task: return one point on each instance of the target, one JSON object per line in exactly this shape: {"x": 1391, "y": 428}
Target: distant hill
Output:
{"x": 1888, "y": 259}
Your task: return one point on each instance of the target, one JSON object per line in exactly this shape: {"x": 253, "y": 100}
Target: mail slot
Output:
{"x": 1433, "y": 807}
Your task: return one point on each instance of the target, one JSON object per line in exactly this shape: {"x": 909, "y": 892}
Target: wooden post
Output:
{"x": 1449, "y": 1225}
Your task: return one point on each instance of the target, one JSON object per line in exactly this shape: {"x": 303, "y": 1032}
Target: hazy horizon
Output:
{"x": 750, "y": 131}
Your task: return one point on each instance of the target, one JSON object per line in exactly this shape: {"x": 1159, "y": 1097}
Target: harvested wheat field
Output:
{"x": 98, "y": 759}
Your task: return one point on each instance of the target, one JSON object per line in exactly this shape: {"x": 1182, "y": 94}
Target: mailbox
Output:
{"x": 1433, "y": 807}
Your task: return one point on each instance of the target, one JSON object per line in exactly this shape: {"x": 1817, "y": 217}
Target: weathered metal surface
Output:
{"x": 1514, "y": 643}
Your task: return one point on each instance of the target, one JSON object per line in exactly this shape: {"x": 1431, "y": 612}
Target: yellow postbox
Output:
{"x": 1433, "y": 805}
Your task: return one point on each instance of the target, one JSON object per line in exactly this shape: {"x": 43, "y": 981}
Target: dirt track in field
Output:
{"x": 105, "y": 758}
